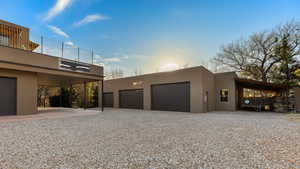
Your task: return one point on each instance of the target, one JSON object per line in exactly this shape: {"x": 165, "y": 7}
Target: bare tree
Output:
{"x": 114, "y": 73}
{"x": 137, "y": 71}
{"x": 217, "y": 68}
{"x": 256, "y": 57}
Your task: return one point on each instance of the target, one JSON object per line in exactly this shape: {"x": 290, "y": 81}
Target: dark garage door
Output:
{"x": 171, "y": 97}
{"x": 131, "y": 99}
{"x": 8, "y": 96}
{"x": 108, "y": 99}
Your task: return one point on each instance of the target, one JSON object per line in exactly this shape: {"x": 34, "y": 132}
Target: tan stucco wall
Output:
{"x": 208, "y": 80}
{"x": 41, "y": 63}
{"x": 226, "y": 81}
{"x": 193, "y": 75}
{"x": 27, "y": 88}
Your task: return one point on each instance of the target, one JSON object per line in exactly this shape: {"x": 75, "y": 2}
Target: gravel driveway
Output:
{"x": 150, "y": 139}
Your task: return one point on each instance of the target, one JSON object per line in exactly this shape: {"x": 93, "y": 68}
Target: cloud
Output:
{"x": 125, "y": 57}
{"x": 98, "y": 58}
{"x": 70, "y": 43}
{"x": 91, "y": 18}
{"x": 114, "y": 59}
{"x": 121, "y": 55}
{"x": 58, "y": 31}
{"x": 59, "y": 6}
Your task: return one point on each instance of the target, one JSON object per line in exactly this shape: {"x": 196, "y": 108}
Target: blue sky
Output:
{"x": 148, "y": 34}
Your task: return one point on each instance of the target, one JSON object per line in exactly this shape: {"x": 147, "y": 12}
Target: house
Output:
{"x": 193, "y": 89}
{"x": 23, "y": 69}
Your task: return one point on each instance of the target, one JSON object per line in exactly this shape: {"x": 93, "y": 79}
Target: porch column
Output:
{"x": 60, "y": 96}
{"x": 100, "y": 95}
{"x": 70, "y": 96}
{"x": 102, "y": 91}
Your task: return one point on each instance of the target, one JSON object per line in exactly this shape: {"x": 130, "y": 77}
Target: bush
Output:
{"x": 65, "y": 99}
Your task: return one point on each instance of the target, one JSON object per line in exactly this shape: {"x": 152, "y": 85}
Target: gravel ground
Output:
{"x": 149, "y": 139}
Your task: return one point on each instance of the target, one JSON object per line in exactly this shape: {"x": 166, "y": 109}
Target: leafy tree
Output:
{"x": 285, "y": 72}
{"x": 65, "y": 98}
{"x": 95, "y": 97}
{"x": 43, "y": 92}
{"x": 297, "y": 73}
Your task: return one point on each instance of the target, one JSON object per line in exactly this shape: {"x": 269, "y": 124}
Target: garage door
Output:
{"x": 7, "y": 96}
{"x": 108, "y": 99}
{"x": 131, "y": 99}
{"x": 171, "y": 97}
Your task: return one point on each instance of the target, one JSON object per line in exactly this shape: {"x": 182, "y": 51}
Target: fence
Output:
{"x": 19, "y": 37}
{"x": 66, "y": 50}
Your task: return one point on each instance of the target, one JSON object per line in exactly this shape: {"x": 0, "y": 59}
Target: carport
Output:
{"x": 59, "y": 81}
{"x": 257, "y": 95}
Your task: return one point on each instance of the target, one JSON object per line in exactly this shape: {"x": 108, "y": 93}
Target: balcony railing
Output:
{"x": 19, "y": 37}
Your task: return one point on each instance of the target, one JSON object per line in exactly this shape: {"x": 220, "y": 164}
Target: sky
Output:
{"x": 149, "y": 35}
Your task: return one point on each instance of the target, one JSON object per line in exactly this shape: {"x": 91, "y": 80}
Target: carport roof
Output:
{"x": 59, "y": 80}
{"x": 259, "y": 84}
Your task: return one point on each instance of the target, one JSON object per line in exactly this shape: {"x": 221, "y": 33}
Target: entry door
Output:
{"x": 8, "y": 92}
{"x": 131, "y": 99}
{"x": 171, "y": 97}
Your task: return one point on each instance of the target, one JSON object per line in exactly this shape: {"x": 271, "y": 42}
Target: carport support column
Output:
{"x": 100, "y": 95}
{"x": 60, "y": 96}
{"x": 102, "y": 91}
{"x": 70, "y": 95}
{"x": 85, "y": 100}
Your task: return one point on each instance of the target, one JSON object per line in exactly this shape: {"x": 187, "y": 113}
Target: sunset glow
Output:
{"x": 169, "y": 67}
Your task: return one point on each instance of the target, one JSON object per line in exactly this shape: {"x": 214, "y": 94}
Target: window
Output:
{"x": 4, "y": 41}
{"x": 224, "y": 95}
{"x": 251, "y": 93}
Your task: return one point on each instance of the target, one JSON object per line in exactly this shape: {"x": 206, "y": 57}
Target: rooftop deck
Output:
{"x": 15, "y": 36}
{"x": 18, "y": 50}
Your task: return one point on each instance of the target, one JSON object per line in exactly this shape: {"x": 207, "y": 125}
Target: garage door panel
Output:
{"x": 7, "y": 96}
{"x": 131, "y": 99}
{"x": 171, "y": 97}
{"x": 108, "y": 99}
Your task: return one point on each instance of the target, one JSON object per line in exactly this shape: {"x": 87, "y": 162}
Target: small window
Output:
{"x": 4, "y": 41}
{"x": 224, "y": 95}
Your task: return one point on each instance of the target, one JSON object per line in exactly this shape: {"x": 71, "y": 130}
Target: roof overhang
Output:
{"x": 254, "y": 84}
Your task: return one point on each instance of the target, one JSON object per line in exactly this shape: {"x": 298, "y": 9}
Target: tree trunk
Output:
{"x": 264, "y": 77}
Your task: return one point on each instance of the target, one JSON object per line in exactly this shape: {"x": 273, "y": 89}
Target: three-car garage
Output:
{"x": 164, "y": 97}
{"x": 185, "y": 90}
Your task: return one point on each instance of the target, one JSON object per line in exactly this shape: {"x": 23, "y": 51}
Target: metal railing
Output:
{"x": 66, "y": 50}
{"x": 19, "y": 37}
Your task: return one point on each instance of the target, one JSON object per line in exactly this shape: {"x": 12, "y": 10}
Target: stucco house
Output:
{"x": 194, "y": 90}
{"x": 22, "y": 70}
